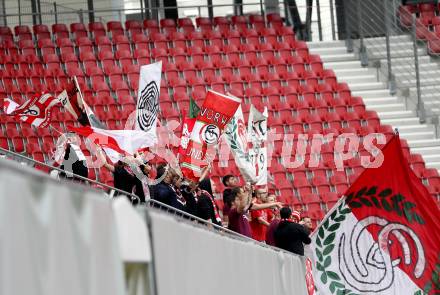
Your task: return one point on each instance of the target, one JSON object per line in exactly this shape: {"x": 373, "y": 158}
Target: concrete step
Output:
{"x": 337, "y": 57}
{"x": 381, "y": 100}
{"x": 418, "y": 135}
{"x": 395, "y": 53}
{"x": 326, "y": 44}
{"x": 424, "y": 59}
{"x": 390, "y": 107}
{"x": 355, "y": 72}
{"x": 417, "y": 128}
{"x": 329, "y": 50}
{"x": 435, "y": 165}
{"x": 357, "y": 78}
{"x": 349, "y": 64}
{"x": 375, "y": 93}
{"x": 396, "y": 114}
{"x": 393, "y": 39}
{"x": 424, "y": 143}
{"x": 366, "y": 86}
{"x": 400, "y": 67}
{"x": 400, "y": 122}
{"x": 430, "y": 150}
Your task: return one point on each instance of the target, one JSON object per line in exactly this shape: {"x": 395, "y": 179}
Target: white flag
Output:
{"x": 257, "y": 135}
{"x": 257, "y": 125}
{"x": 147, "y": 107}
{"x": 236, "y": 138}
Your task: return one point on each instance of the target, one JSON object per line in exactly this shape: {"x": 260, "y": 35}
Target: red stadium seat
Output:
{"x": 115, "y": 28}
{"x": 60, "y": 31}
{"x": 97, "y": 29}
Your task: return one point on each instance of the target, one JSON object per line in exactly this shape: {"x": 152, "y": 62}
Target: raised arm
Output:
{"x": 102, "y": 158}
{"x": 256, "y": 206}
{"x": 245, "y": 201}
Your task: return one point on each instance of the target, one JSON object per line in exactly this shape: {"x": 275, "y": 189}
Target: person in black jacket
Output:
{"x": 206, "y": 207}
{"x": 164, "y": 191}
{"x": 289, "y": 235}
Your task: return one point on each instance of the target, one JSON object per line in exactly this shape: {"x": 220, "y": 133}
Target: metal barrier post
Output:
{"x": 318, "y": 11}
{"x": 420, "y": 106}
{"x": 142, "y": 9}
{"x": 362, "y": 49}
{"x": 19, "y": 12}
{"x": 436, "y": 121}
{"x": 80, "y": 15}
{"x": 348, "y": 40}
{"x": 332, "y": 19}
{"x": 391, "y": 77}
{"x": 55, "y": 11}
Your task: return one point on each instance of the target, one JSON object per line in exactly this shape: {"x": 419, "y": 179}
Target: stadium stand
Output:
{"x": 262, "y": 64}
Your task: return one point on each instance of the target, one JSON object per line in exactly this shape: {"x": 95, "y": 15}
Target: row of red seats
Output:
{"x": 133, "y": 27}
{"x": 198, "y": 39}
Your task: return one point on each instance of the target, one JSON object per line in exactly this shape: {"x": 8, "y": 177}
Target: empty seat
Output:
{"x": 97, "y": 29}
{"x": 115, "y": 28}
{"x": 60, "y": 31}
{"x": 41, "y": 31}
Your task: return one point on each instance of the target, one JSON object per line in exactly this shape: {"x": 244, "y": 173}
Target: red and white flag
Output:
{"x": 120, "y": 142}
{"x": 73, "y": 101}
{"x": 382, "y": 237}
{"x": 36, "y": 111}
{"x": 215, "y": 113}
{"x": 187, "y": 127}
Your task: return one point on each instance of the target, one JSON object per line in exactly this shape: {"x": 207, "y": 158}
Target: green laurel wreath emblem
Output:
{"x": 324, "y": 247}
{"x": 365, "y": 197}
{"x": 231, "y": 132}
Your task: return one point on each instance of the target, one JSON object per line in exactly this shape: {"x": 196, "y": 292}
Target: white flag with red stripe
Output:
{"x": 36, "y": 111}
{"x": 122, "y": 142}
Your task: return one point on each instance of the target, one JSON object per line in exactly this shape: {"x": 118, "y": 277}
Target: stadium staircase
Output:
{"x": 393, "y": 110}
{"x": 261, "y": 63}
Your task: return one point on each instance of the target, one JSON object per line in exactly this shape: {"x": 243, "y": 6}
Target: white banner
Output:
{"x": 259, "y": 162}
{"x": 236, "y": 137}
{"x": 257, "y": 135}
{"x": 257, "y": 125}
{"x": 147, "y": 107}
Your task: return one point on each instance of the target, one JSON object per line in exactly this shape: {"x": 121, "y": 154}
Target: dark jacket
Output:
{"x": 290, "y": 236}
{"x": 163, "y": 193}
{"x": 205, "y": 209}
{"x": 123, "y": 180}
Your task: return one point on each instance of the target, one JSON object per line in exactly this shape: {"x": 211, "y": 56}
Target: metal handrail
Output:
{"x": 151, "y": 203}
{"x": 404, "y": 80}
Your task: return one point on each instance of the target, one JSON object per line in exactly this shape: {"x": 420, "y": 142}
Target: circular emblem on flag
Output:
{"x": 148, "y": 106}
{"x": 210, "y": 134}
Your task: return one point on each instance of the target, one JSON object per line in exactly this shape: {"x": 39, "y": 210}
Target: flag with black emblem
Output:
{"x": 147, "y": 108}
{"x": 215, "y": 113}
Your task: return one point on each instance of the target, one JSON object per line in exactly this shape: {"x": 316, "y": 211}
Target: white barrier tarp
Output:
{"x": 55, "y": 239}
{"x": 192, "y": 260}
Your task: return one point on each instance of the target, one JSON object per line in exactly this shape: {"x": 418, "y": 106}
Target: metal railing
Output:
{"x": 149, "y": 204}
{"x": 386, "y": 38}
{"x": 37, "y": 164}
{"x": 322, "y": 24}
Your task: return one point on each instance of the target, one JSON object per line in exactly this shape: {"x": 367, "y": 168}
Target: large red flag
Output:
{"x": 383, "y": 237}
{"x": 216, "y": 112}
